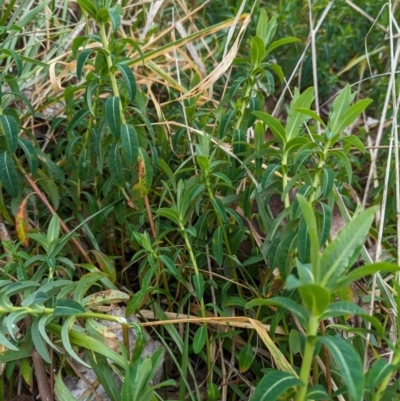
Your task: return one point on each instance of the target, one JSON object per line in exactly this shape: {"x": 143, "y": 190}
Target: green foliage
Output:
{"x": 186, "y": 197}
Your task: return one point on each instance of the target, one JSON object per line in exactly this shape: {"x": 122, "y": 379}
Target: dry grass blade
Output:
{"x": 278, "y": 357}
{"x": 177, "y": 318}
{"x": 222, "y": 67}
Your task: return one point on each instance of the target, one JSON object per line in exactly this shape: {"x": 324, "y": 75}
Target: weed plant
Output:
{"x": 140, "y": 164}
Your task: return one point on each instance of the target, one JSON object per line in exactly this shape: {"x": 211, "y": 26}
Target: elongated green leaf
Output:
{"x": 81, "y": 62}
{"x": 37, "y": 297}
{"x": 274, "y": 125}
{"x": 262, "y": 25}
{"x": 295, "y": 118}
{"x": 364, "y": 271}
{"x": 356, "y": 142}
{"x": 246, "y": 356}
{"x": 199, "y": 339}
{"x": 281, "y": 42}
{"x": 90, "y": 88}
{"x": 198, "y": 282}
{"x": 30, "y": 154}
{"x": 350, "y": 115}
{"x": 270, "y": 30}
{"x": 334, "y": 261}
{"x": 53, "y": 232}
{"x": 106, "y": 265}
{"x": 315, "y": 298}
{"x": 12, "y": 320}
{"x": 235, "y": 86}
{"x": 43, "y": 321}
{"x": 296, "y": 341}
{"x": 217, "y": 243}
{"x": 89, "y": 7}
{"x": 278, "y": 71}
{"x": 16, "y": 57}
{"x": 311, "y": 223}
{"x": 170, "y": 214}
{"x": 115, "y": 164}
{"x": 346, "y": 162}
{"x": 130, "y": 144}
{"x": 269, "y": 175}
{"x": 273, "y": 385}
{"x": 343, "y": 308}
{"x": 325, "y": 223}
{"x": 105, "y": 375}
{"x": 169, "y": 264}
{"x": 78, "y": 119}
{"x": 115, "y": 13}
{"x": 8, "y": 174}
{"x": 10, "y": 130}
{"x": 68, "y": 307}
{"x": 66, "y": 340}
{"x": 349, "y": 365}
{"x": 339, "y": 106}
{"x": 317, "y": 392}
{"x": 225, "y": 122}
{"x": 85, "y": 341}
{"x": 10, "y": 355}
{"x": 257, "y": 51}
{"x": 61, "y": 390}
{"x": 303, "y": 242}
{"x": 77, "y": 43}
{"x": 282, "y": 302}
{"x": 378, "y": 373}
{"x": 219, "y": 209}
{"x": 39, "y": 342}
{"x": 129, "y": 80}
{"x": 113, "y": 114}
{"x": 213, "y": 393}
{"x": 239, "y": 141}
{"x": 312, "y": 114}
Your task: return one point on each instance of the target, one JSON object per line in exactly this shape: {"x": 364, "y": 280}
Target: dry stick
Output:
{"x": 382, "y": 123}
{"x": 287, "y": 83}
{"x": 314, "y": 63}
{"x": 326, "y": 360}
{"x": 83, "y": 378}
{"x": 65, "y": 228}
{"x": 150, "y": 217}
{"x": 41, "y": 376}
{"x": 391, "y": 92}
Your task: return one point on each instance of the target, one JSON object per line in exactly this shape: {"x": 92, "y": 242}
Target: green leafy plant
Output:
{"x": 152, "y": 172}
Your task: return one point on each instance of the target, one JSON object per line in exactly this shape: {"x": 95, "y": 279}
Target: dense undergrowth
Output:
{"x": 227, "y": 176}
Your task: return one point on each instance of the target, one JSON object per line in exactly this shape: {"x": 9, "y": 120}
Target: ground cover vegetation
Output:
{"x": 228, "y": 171}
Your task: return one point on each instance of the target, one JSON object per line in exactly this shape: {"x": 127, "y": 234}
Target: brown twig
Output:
{"x": 82, "y": 377}
{"x": 64, "y": 227}
{"x": 41, "y": 377}
{"x": 150, "y": 217}
{"x": 326, "y": 360}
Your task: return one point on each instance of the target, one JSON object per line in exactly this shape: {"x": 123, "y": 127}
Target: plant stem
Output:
{"x": 115, "y": 89}
{"x": 43, "y": 198}
{"x": 113, "y": 80}
{"x": 307, "y": 358}
{"x": 285, "y": 178}
{"x": 320, "y": 166}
